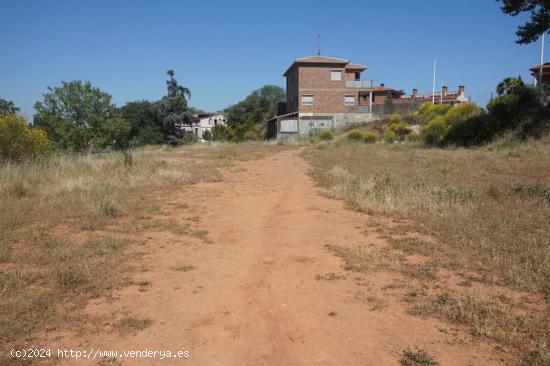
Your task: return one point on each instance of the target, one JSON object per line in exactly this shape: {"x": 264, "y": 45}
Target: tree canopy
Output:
{"x": 7, "y": 107}
{"x": 510, "y": 86}
{"x": 257, "y": 107}
{"x": 77, "y": 115}
{"x": 538, "y": 23}
{"x": 173, "y": 108}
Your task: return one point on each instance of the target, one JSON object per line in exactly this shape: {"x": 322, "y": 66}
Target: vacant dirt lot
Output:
{"x": 240, "y": 272}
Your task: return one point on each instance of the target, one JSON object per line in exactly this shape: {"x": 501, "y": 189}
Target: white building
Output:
{"x": 203, "y": 122}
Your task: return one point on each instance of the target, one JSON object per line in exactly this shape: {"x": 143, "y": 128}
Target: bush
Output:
{"x": 19, "y": 141}
{"x": 395, "y": 119}
{"x": 413, "y": 137}
{"x": 355, "y": 136}
{"x": 400, "y": 129}
{"x": 326, "y": 135}
{"x": 207, "y": 135}
{"x": 251, "y": 135}
{"x": 370, "y": 137}
{"x": 188, "y": 138}
{"x": 390, "y": 136}
{"x": 220, "y": 133}
{"x": 434, "y": 132}
{"x": 428, "y": 111}
{"x": 445, "y": 125}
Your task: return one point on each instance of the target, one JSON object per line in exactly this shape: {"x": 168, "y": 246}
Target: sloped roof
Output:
{"x": 318, "y": 59}
{"x": 322, "y": 59}
{"x": 356, "y": 67}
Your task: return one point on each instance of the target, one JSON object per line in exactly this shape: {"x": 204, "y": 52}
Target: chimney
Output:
{"x": 461, "y": 90}
{"x": 444, "y": 91}
{"x": 415, "y": 93}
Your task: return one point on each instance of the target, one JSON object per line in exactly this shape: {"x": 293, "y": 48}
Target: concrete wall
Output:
{"x": 306, "y": 124}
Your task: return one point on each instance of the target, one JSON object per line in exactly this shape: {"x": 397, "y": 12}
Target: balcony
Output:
{"x": 359, "y": 84}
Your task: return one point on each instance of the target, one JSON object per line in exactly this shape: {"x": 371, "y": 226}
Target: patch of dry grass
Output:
{"x": 487, "y": 210}
{"x": 132, "y": 323}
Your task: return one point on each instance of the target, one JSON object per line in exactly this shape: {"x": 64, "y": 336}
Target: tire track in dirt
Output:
{"x": 253, "y": 298}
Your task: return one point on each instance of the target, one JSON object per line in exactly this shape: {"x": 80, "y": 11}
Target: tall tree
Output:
{"x": 510, "y": 86}
{"x": 7, "y": 107}
{"x": 257, "y": 107}
{"x": 173, "y": 108}
{"x": 144, "y": 121}
{"x": 77, "y": 115}
{"x": 538, "y": 23}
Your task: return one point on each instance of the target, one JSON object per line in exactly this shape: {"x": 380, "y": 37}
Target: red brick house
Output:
{"x": 328, "y": 92}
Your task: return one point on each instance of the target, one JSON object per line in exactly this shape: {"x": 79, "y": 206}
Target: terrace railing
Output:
{"x": 359, "y": 84}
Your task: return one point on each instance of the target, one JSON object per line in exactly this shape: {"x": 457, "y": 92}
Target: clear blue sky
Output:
{"x": 222, "y": 50}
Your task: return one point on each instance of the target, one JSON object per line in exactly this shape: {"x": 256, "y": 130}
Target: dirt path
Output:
{"x": 253, "y": 297}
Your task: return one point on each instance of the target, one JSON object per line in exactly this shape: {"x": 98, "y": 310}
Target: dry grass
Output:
{"x": 183, "y": 267}
{"x": 54, "y": 250}
{"x": 416, "y": 357}
{"x": 487, "y": 211}
{"x": 490, "y": 210}
{"x": 132, "y": 323}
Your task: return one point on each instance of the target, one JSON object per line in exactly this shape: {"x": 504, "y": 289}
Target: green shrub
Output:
{"x": 188, "y": 138}
{"x": 395, "y": 119}
{"x": 355, "y": 136}
{"x": 434, "y": 132}
{"x": 326, "y": 135}
{"x": 400, "y": 129}
{"x": 251, "y": 135}
{"x": 413, "y": 137}
{"x": 390, "y": 136}
{"x": 220, "y": 133}
{"x": 207, "y": 135}
{"x": 19, "y": 141}
{"x": 313, "y": 139}
{"x": 428, "y": 111}
{"x": 370, "y": 137}
{"x": 445, "y": 125}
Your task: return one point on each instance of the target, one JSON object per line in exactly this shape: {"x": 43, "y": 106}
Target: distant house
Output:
{"x": 535, "y": 72}
{"x": 443, "y": 96}
{"x": 202, "y": 122}
{"x": 328, "y": 92}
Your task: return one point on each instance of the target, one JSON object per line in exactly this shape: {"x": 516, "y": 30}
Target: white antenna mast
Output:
{"x": 318, "y": 45}
{"x": 433, "y": 84}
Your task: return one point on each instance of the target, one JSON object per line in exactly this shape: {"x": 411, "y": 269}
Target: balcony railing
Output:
{"x": 360, "y": 84}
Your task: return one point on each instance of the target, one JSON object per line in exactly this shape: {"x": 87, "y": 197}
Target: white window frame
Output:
{"x": 346, "y": 102}
{"x": 335, "y": 72}
{"x": 304, "y": 102}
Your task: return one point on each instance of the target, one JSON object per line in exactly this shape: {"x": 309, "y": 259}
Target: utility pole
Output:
{"x": 433, "y": 84}
{"x": 539, "y": 85}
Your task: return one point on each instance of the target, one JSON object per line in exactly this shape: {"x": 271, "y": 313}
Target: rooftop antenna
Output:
{"x": 318, "y": 45}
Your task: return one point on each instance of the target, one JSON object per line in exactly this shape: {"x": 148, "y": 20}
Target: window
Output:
{"x": 349, "y": 100}
{"x": 336, "y": 75}
{"x": 307, "y": 99}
